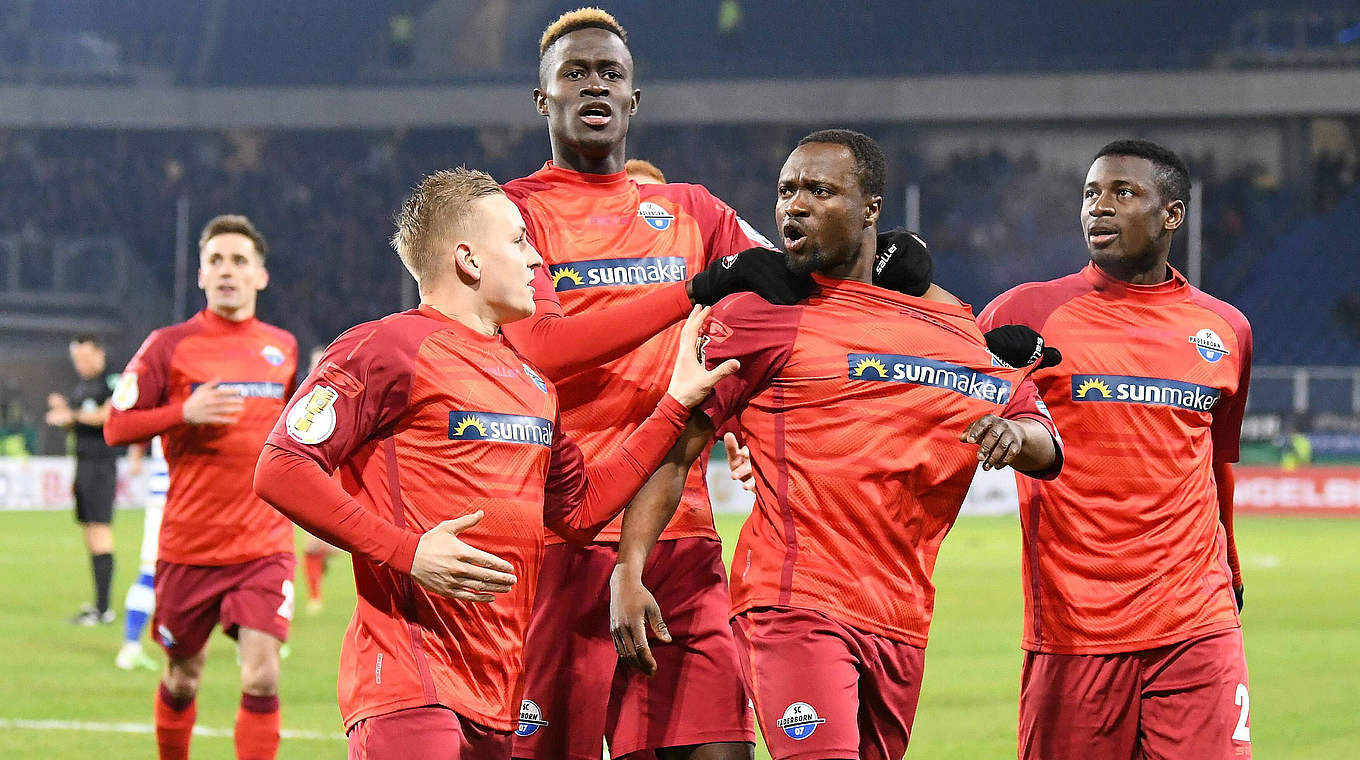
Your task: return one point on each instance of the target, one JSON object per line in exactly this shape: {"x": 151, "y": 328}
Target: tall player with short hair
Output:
{"x": 617, "y": 255}
{"x": 212, "y": 387}
{"x": 853, "y": 403}
{"x": 442, "y": 434}
{"x": 1133, "y": 641}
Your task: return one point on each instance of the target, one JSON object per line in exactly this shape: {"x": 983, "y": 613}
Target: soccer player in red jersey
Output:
{"x": 1132, "y": 638}
{"x": 212, "y": 388}
{"x": 443, "y": 434}
{"x": 867, "y": 412}
{"x": 612, "y": 289}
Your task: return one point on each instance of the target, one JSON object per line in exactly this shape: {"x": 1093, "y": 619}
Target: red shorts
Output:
{"x": 1182, "y": 701}
{"x": 429, "y": 733}
{"x": 824, "y": 689}
{"x": 191, "y": 599}
{"x": 578, "y": 691}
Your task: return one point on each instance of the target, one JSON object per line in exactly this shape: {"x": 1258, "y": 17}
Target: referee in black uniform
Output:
{"x": 96, "y": 466}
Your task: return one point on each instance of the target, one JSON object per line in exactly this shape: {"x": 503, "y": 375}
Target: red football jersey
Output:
{"x": 852, "y": 403}
{"x": 1125, "y": 550}
{"x": 427, "y": 420}
{"x": 607, "y": 241}
{"x": 212, "y": 515}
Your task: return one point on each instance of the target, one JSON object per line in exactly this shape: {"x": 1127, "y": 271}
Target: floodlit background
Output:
{"x": 126, "y": 124}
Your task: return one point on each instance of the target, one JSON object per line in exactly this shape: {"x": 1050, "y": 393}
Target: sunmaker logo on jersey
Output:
{"x": 505, "y": 428}
{"x": 602, "y": 272}
{"x": 250, "y": 388}
{"x": 1144, "y": 390}
{"x": 915, "y": 370}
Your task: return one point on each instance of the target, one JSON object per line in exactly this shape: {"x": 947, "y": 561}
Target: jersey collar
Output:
{"x": 463, "y": 331}
{"x": 216, "y": 321}
{"x": 567, "y": 175}
{"x": 1173, "y": 289}
{"x": 832, "y": 287}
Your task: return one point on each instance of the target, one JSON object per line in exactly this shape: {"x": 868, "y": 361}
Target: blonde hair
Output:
{"x": 440, "y": 206}
{"x": 640, "y": 171}
{"x": 233, "y": 223}
{"x": 581, "y": 18}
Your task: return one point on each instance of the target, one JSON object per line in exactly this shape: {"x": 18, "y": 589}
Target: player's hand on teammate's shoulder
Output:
{"x": 998, "y": 440}
{"x": 211, "y": 404}
{"x": 447, "y": 566}
{"x": 1021, "y": 346}
{"x": 754, "y": 270}
{"x": 691, "y": 382}
{"x": 903, "y": 263}
{"x": 632, "y": 608}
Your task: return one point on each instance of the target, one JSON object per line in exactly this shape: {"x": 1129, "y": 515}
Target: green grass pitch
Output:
{"x": 61, "y": 697}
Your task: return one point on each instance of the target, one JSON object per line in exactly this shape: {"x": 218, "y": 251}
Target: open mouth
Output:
{"x": 793, "y": 237}
{"x": 597, "y": 114}
{"x": 1101, "y": 236}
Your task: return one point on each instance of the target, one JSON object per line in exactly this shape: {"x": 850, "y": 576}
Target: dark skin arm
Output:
{"x": 1021, "y": 443}
{"x": 631, "y": 606}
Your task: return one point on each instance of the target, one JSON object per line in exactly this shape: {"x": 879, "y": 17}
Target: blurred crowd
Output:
{"x": 325, "y": 201}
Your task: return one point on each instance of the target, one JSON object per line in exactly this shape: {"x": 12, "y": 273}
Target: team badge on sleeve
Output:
{"x": 125, "y": 395}
{"x": 799, "y": 721}
{"x": 312, "y": 418}
{"x": 530, "y": 718}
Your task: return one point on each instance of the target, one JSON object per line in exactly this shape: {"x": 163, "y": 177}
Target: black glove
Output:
{"x": 903, "y": 263}
{"x": 1019, "y": 346}
{"x": 1239, "y": 592}
{"x": 754, "y": 270}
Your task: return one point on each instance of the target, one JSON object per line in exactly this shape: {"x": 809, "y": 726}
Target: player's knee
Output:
{"x": 260, "y": 676}
{"x": 183, "y": 676}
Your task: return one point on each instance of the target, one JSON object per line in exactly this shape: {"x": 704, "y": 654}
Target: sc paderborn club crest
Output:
{"x": 799, "y": 721}
{"x": 530, "y": 718}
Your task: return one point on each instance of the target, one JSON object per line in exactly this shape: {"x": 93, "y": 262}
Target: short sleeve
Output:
{"x": 361, "y": 386}
{"x": 756, "y": 333}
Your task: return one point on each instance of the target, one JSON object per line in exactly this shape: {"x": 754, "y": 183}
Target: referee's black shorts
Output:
{"x": 96, "y": 479}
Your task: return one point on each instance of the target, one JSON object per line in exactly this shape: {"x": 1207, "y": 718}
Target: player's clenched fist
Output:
{"x": 448, "y": 567}
{"x": 691, "y": 382}
{"x": 631, "y": 609}
{"x": 211, "y": 404}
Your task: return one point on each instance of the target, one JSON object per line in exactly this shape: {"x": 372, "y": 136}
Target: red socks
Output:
{"x": 174, "y": 724}
{"x": 315, "y": 565}
{"x": 257, "y": 728}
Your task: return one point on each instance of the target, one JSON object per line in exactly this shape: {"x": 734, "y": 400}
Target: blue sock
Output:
{"x": 140, "y": 601}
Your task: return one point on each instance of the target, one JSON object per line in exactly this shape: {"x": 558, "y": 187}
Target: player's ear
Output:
{"x": 201, "y": 286}
{"x": 637, "y": 98}
{"x": 1175, "y": 215}
{"x": 466, "y": 262}
{"x": 872, "y": 210}
{"x": 540, "y": 102}
{"x": 262, "y": 278}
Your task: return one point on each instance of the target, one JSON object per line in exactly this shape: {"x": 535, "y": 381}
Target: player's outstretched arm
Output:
{"x": 1024, "y": 444}
{"x": 581, "y": 499}
{"x": 632, "y": 608}
{"x": 562, "y": 345}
